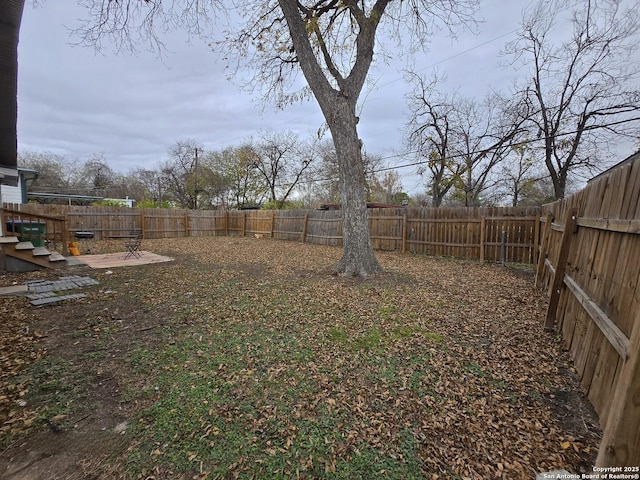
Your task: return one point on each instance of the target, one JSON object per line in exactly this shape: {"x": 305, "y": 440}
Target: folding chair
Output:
{"x": 133, "y": 247}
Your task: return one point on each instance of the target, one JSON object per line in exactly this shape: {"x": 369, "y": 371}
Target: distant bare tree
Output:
{"x": 483, "y": 133}
{"x": 521, "y": 177}
{"x": 98, "y": 176}
{"x": 387, "y": 188}
{"x": 56, "y": 173}
{"x": 182, "y": 174}
{"x": 459, "y": 141}
{"x": 282, "y": 158}
{"x": 152, "y": 182}
{"x": 583, "y": 92}
{"x": 429, "y": 134}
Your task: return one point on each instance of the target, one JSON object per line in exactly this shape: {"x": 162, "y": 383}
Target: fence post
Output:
{"x": 404, "y": 233}
{"x": 304, "y": 227}
{"x": 244, "y": 224}
{"x": 142, "y": 226}
{"x": 273, "y": 222}
{"x": 483, "y": 226}
{"x": 542, "y": 254}
{"x": 620, "y": 443}
{"x": 187, "y": 230}
{"x": 3, "y": 218}
{"x": 536, "y": 240}
{"x": 503, "y": 247}
{"x": 64, "y": 234}
{"x": 570, "y": 224}
{"x": 226, "y": 223}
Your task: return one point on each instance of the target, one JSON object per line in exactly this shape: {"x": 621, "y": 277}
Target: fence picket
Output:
{"x": 598, "y": 311}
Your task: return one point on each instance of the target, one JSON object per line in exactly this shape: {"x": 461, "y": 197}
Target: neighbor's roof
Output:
{"x": 62, "y": 196}
{"x": 338, "y": 206}
{"x": 8, "y": 176}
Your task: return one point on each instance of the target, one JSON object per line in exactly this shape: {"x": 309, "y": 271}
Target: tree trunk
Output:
{"x": 10, "y": 18}
{"x": 338, "y": 106}
{"x": 357, "y": 256}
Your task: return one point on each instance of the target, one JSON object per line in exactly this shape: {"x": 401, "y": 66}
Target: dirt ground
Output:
{"x": 68, "y": 397}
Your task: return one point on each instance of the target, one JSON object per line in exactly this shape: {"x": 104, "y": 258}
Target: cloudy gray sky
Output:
{"x": 131, "y": 108}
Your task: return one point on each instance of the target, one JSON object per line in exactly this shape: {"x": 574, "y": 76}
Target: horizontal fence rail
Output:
{"x": 487, "y": 234}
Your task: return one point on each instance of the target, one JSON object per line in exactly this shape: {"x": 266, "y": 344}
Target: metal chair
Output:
{"x": 133, "y": 247}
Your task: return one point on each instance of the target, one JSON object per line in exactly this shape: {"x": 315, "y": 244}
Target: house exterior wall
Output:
{"x": 11, "y": 194}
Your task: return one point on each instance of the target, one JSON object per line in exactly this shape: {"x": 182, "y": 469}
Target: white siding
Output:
{"x": 11, "y": 194}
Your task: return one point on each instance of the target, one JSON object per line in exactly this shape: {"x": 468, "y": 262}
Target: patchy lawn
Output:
{"x": 245, "y": 358}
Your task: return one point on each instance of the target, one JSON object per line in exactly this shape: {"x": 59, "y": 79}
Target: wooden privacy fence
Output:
{"x": 486, "y": 234}
{"x": 590, "y": 266}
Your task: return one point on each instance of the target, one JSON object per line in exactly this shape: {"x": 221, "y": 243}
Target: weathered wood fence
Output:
{"x": 590, "y": 266}
{"x": 486, "y": 234}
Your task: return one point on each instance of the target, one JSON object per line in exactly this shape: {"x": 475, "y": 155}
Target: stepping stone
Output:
{"x": 36, "y": 296}
{"x": 50, "y": 300}
{"x": 41, "y": 287}
{"x": 86, "y": 281}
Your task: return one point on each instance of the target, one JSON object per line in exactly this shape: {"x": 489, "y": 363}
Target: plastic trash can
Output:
{"x": 28, "y": 231}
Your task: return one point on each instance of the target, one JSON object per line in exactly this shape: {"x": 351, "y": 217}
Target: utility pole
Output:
{"x": 195, "y": 200}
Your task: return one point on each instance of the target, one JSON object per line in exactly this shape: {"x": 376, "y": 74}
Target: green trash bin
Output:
{"x": 28, "y": 231}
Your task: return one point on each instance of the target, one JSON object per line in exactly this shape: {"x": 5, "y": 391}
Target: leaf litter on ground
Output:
{"x": 249, "y": 360}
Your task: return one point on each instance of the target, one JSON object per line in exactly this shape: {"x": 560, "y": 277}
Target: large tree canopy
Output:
{"x": 332, "y": 42}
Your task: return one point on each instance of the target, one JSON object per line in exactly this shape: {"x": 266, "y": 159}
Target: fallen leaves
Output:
{"x": 20, "y": 346}
{"x": 440, "y": 369}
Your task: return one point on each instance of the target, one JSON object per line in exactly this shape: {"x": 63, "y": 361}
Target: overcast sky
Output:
{"x": 132, "y": 108}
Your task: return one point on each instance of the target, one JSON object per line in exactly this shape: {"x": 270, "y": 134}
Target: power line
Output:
{"x": 455, "y": 55}
{"x": 523, "y": 142}
{"x": 398, "y": 79}
{"x": 460, "y": 155}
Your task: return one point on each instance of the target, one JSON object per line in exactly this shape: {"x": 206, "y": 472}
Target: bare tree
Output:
{"x": 56, "y": 173}
{"x": 521, "y": 178}
{"x": 184, "y": 177}
{"x": 483, "y": 133}
{"x": 459, "y": 141}
{"x": 98, "y": 175}
{"x": 331, "y": 42}
{"x": 281, "y": 160}
{"x": 152, "y": 182}
{"x": 429, "y": 135}
{"x": 583, "y": 90}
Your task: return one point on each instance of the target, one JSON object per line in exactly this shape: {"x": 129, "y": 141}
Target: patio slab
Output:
{"x": 110, "y": 260}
